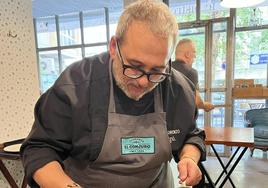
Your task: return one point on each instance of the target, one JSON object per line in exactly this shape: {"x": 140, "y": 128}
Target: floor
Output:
{"x": 251, "y": 172}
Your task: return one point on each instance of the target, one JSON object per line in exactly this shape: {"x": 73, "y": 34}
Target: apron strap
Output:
{"x": 111, "y": 101}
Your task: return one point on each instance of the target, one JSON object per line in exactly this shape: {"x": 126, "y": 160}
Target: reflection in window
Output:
{"x": 211, "y": 9}
{"x": 219, "y": 55}
{"x": 94, "y": 50}
{"x": 70, "y": 33}
{"x": 94, "y": 25}
{"x": 48, "y": 68}
{"x": 252, "y": 16}
{"x": 184, "y": 10}
{"x": 70, "y": 56}
{"x": 46, "y": 32}
{"x": 251, "y": 55}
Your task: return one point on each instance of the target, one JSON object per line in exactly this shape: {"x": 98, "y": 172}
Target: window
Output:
{"x": 70, "y": 33}
{"x": 211, "y": 9}
{"x": 184, "y": 10}
{"x": 48, "y": 68}
{"x": 252, "y": 16}
{"x": 65, "y": 39}
{"x": 46, "y": 32}
{"x": 94, "y": 25}
{"x": 219, "y": 55}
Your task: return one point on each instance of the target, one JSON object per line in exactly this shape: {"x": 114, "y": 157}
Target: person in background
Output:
{"x": 116, "y": 119}
{"x": 185, "y": 55}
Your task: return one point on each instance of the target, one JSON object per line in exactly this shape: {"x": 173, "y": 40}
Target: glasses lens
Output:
{"x": 157, "y": 77}
{"x": 132, "y": 72}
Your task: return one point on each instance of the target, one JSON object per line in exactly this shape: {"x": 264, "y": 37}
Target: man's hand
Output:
{"x": 189, "y": 172}
{"x": 208, "y": 106}
{"x": 52, "y": 175}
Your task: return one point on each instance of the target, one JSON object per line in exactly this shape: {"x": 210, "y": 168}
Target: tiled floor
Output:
{"x": 251, "y": 172}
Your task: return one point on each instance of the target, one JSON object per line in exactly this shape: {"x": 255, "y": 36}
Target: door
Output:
{"x": 210, "y": 38}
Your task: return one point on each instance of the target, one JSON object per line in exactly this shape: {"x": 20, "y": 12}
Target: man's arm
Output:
{"x": 190, "y": 151}
{"x": 189, "y": 171}
{"x": 52, "y": 175}
{"x": 207, "y": 106}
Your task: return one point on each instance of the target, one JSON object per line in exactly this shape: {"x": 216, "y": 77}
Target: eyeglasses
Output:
{"x": 135, "y": 72}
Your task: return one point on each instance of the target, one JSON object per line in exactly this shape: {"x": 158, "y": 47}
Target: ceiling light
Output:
{"x": 239, "y": 3}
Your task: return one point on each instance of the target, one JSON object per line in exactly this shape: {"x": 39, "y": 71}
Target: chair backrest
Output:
{"x": 257, "y": 116}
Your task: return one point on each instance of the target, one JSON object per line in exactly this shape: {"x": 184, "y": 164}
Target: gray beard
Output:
{"x": 124, "y": 89}
{"x": 122, "y": 86}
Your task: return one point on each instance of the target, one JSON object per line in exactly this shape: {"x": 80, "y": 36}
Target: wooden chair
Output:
{"x": 4, "y": 155}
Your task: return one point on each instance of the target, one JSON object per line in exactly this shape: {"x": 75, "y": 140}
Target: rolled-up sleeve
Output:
{"x": 197, "y": 137}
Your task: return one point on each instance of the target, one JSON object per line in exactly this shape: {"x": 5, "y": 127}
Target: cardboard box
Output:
{"x": 250, "y": 92}
{"x": 265, "y": 92}
{"x": 242, "y": 83}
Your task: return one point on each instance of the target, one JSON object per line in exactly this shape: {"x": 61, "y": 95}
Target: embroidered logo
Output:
{"x": 137, "y": 145}
{"x": 171, "y": 134}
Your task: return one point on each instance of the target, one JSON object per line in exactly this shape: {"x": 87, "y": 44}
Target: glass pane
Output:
{"x": 184, "y": 10}
{"x": 48, "y": 68}
{"x": 70, "y": 32}
{"x": 241, "y": 106}
{"x": 70, "y": 56}
{"x": 251, "y": 55}
{"x": 90, "y": 51}
{"x": 112, "y": 29}
{"x": 94, "y": 26}
{"x": 217, "y": 114}
{"x": 252, "y": 16}
{"x": 197, "y": 35}
{"x": 46, "y": 32}
{"x": 201, "y": 121}
{"x": 113, "y": 19}
{"x": 219, "y": 55}
{"x": 211, "y": 9}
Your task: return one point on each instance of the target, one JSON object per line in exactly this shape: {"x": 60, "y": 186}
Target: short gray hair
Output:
{"x": 181, "y": 44}
{"x": 155, "y": 14}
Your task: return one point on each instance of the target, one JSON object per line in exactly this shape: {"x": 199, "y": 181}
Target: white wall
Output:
{"x": 19, "y": 87}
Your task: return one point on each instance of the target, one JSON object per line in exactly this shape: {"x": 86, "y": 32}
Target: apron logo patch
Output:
{"x": 137, "y": 145}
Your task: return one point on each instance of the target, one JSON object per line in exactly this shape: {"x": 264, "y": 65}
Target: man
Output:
{"x": 109, "y": 120}
{"x": 185, "y": 54}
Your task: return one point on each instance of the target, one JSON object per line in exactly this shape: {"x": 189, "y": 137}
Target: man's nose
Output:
{"x": 143, "y": 81}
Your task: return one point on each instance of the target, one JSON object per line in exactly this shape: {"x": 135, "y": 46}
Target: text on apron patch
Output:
{"x": 137, "y": 145}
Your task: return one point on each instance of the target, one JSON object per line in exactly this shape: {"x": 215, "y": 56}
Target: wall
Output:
{"x": 19, "y": 88}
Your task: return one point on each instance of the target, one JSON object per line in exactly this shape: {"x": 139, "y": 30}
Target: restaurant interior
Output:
{"x": 39, "y": 39}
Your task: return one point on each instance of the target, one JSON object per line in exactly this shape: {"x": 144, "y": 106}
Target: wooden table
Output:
{"x": 228, "y": 136}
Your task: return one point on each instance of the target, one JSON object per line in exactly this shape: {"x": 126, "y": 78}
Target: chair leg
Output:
{"x": 24, "y": 182}
{"x": 251, "y": 151}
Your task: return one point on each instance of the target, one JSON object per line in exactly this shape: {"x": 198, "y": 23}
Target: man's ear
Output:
{"x": 112, "y": 47}
{"x": 187, "y": 54}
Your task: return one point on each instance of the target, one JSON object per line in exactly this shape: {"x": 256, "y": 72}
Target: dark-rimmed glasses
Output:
{"x": 135, "y": 72}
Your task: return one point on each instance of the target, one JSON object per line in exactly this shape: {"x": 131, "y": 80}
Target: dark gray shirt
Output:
{"x": 71, "y": 117}
{"x": 187, "y": 70}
